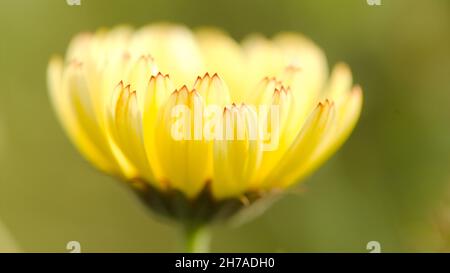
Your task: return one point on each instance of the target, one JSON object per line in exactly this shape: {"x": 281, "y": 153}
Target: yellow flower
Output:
{"x": 116, "y": 90}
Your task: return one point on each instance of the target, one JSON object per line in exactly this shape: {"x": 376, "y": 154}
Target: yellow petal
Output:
{"x": 295, "y": 162}
{"x": 174, "y": 49}
{"x": 275, "y": 119}
{"x": 224, "y": 56}
{"x": 125, "y": 125}
{"x": 263, "y": 59}
{"x": 236, "y": 159}
{"x": 139, "y": 76}
{"x": 304, "y": 98}
{"x": 185, "y": 160}
{"x": 213, "y": 89}
{"x": 158, "y": 91}
{"x": 70, "y": 97}
{"x": 348, "y": 113}
{"x": 339, "y": 84}
{"x": 263, "y": 92}
{"x": 301, "y": 52}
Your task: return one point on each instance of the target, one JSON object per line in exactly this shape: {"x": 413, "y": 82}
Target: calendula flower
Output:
{"x": 118, "y": 95}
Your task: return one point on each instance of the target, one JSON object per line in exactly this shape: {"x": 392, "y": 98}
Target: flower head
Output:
{"x": 198, "y": 117}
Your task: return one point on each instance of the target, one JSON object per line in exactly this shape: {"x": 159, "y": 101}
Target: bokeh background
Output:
{"x": 389, "y": 183}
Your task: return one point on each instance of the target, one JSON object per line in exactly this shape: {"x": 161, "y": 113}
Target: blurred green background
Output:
{"x": 388, "y": 183}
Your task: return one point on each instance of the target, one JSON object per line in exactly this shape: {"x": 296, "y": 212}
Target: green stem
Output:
{"x": 196, "y": 238}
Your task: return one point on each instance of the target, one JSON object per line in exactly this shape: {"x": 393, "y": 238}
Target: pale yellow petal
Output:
{"x": 139, "y": 76}
{"x": 263, "y": 59}
{"x": 213, "y": 89}
{"x": 185, "y": 161}
{"x": 339, "y": 84}
{"x": 223, "y": 55}
{"x": 302, "y": 53}
{"x": 348, "y": 113}
{"x": 275, "y": 119}
{"x": 295, "y": 162}
{"x": 125, "y": 124}
{"x": 158, "y": 91}
{"x": 174, "y": 49}
{"x": 236, "y": 159}
{"x": 71, "y": 100}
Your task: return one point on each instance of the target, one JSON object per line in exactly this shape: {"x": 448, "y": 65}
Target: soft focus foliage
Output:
{"x": 7, "y": 243}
